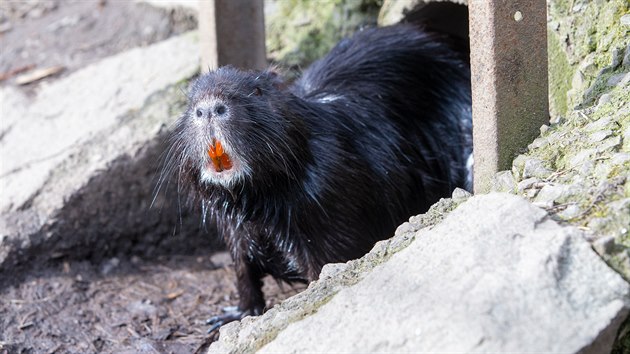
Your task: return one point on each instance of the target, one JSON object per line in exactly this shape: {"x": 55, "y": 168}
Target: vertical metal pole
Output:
{"x": 232, "y": 32}
{"x": 508, "y": 41}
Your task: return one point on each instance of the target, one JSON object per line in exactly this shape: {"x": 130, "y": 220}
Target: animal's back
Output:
{"x": 404, "y": 89}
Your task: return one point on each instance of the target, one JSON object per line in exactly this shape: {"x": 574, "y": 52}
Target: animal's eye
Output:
{"x": 257, "y": 91}
{"x": 199, "y": 113}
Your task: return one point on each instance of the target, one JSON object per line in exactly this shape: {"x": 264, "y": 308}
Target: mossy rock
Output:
{"x": 301, "y": 31}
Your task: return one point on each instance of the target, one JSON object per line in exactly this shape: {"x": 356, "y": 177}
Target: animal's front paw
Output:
{"x": 230, "y": 313}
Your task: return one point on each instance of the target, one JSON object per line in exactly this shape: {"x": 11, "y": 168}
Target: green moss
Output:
{"x": 302, "y": 31}
{"x": 560, "y": 7}
{"x": 560, "y": 74}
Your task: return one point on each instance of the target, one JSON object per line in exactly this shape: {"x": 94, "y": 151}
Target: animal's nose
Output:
{"x": 217, "y": 110}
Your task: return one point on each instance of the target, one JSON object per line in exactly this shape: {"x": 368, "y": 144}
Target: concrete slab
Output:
{"x": 99, "y": 132}
{"x": 496, "y": 275}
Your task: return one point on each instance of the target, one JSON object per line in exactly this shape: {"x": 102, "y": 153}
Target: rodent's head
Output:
{"x": 237, "y": 129}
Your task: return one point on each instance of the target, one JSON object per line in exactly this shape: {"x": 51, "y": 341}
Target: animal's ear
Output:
{"x": 274, "y": 75}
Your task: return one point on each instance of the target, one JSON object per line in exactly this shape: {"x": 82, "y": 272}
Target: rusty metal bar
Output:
{"x": 508, "y": 41}
{"x": 232, "y": 32}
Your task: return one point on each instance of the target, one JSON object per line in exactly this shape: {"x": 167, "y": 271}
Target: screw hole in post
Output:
{"x": 518, "y": 16}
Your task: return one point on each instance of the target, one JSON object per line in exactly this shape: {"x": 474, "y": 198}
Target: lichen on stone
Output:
{"x": 301, "y": 31}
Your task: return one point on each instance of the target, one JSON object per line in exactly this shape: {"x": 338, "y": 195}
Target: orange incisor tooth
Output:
{"x": 211, "y": 152}
{"x": 226, "y": 162}
{"x": 219, "y": 149}
{"x": 220, "y": 160}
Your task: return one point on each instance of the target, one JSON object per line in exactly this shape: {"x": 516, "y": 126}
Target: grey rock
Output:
{"x": 554, "y": 193}
{"x": 544, "y": 128}
{"x": 601, "y": 172}
{"x": 625, "y": 20}
{"x": 460, "y": 195}
{"x": 620, "y": 158}
{"x": 626, "y": 139}
{"x": 600, "y": 124}
{"x": 583, "y": 161}
{"x": 503, "y": 182}
{"x": 534, "y": 167}
{"x": 598, "y": 224}
{"x": 609, "y": 144}
{"x": 578, "y": 82}
{"x": 618, "y": 79}
{"x": 599, "y": 135}
{"x": 527, "y": 184}
{"x": 626, "y": 57}
{"x": 461, "y": 286}
{"x": 603, "y": 99}
{"x": 518, "y": 165}
{"x": 604, "y": 245}
{"x": 538, "y": 143}
{"x": 531, "y": 193}
{"x": 571, "y": 211}
{"x": 588, "y": 66}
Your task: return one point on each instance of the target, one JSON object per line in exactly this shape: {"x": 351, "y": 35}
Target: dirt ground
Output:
{"x": 128, "y": 303}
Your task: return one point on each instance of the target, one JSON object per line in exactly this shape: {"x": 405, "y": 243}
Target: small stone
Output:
{"x": 620, "y": 158}
{"x": 581, "y": 157}
{"x": 110, "y": 265}
{"x": 531, "y": 193}
{"x": 577, "y": 7}
{"x": 587, "y": 66}
{"x": 5, "y": 27}
{"x": 602, "y": 171}
{"x": 538, "y": 143}
{"x": 405, "y": 228}
{"x": 331, "y": 269}
{"x": 543, "y": 204}
{"x": 626, "y": 57}
{"x": 616, "y": 59}
{"x": 578, "y": 82}
{"x": 599, "y": 135}
{"x": 570, "y": 212}
{"x": 221, "y": 259}
{"x": 503, "y": 182}
{"x": 625, "y": 20}
{"x": 460, "y": 195}
{"x": 604, "y": 245}
{"x": 518, "y": 165}
{"x": 610, "y": 143}
{"x": 603, "y": 99}
{"x": 552, "y": 193}
{"x": 544, "y": 128}
{"x": 618, "y": 79}
{"x": 598, "y": 224}
{"x": 527, "y": 184}
{"x": 535, "y": 168}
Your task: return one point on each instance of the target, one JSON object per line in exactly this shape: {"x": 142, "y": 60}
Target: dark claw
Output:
{"x": 230, "y": 314}
{"x": 213, "y": 320}
{"x": 215, "y": 327}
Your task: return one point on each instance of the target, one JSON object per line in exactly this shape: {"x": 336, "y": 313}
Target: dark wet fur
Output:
{"x": 329, "y": 179}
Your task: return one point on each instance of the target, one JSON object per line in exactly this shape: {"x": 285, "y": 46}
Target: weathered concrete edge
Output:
{"x": 252, "y": 333}
{"x": 20, "y": 240}
{"x": 247, "y": 336}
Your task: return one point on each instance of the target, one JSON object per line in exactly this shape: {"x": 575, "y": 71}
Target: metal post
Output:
{"x": 508, "y": 41}
{"x": 232, "y": 32}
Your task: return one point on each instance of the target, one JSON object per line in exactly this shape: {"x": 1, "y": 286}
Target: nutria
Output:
{"x": 297, "y": 176}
